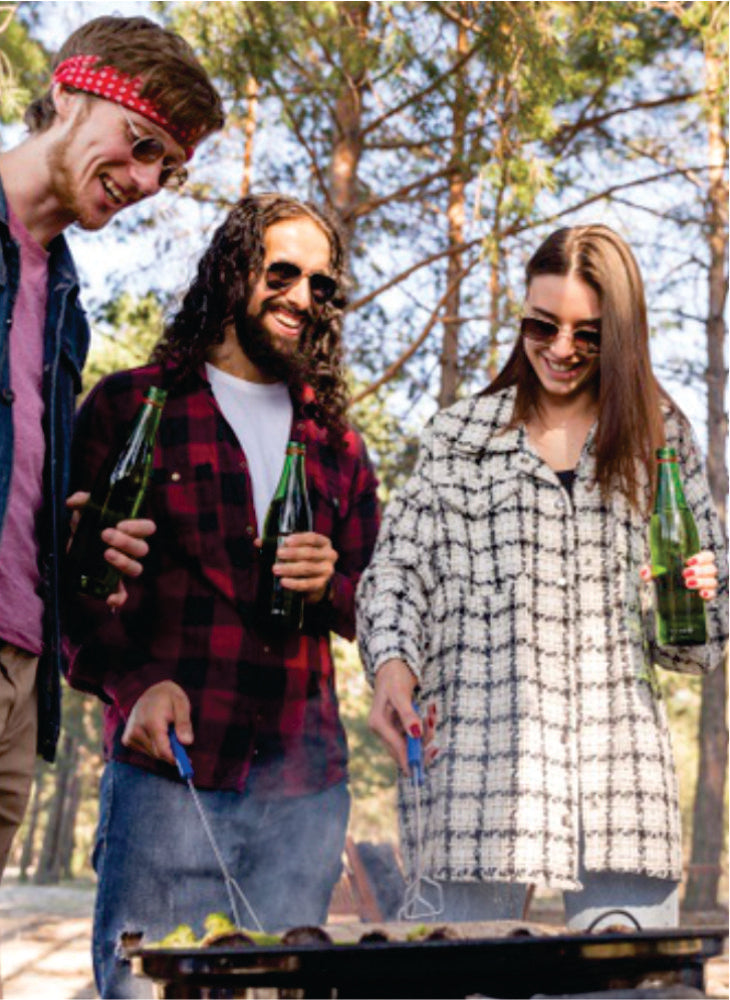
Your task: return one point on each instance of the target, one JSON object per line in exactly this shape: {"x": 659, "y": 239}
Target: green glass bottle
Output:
{"x": 116, "y": 496}
{"x": 280, "y": 611}
{"x": 673, "y": 538}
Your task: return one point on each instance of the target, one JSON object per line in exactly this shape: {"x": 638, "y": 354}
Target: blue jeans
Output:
{"x": 156, "y": 868}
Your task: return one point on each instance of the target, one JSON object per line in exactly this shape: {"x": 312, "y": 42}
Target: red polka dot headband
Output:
{"x": 112, "y": 85}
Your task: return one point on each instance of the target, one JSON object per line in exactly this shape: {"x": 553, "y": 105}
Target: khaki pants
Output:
{"x": 18, "y": 737}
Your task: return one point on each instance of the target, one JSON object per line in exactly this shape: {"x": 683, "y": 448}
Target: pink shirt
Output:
{"x": 21, "y": 607}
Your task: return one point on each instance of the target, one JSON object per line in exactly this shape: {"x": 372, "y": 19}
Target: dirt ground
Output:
{"x": 45, "y": 933}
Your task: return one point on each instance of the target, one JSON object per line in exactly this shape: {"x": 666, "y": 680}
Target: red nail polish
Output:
{"x": 692, "y": 561}
{"x": 691, "y": 581}
{"x": 415, "y": 730}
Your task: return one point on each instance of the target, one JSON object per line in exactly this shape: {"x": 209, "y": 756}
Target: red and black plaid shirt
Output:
{"x": 188, "y": 617}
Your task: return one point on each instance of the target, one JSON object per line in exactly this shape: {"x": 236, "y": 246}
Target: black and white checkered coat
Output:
{"x": 524, "y": 617}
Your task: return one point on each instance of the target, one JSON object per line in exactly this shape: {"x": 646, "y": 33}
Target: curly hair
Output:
{"x": 221, "y": 290}
{"x": 174, "y": 79}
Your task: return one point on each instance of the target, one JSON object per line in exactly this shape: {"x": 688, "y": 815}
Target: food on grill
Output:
{"x": 182, "y": 937}
{"x": 305, "y": 935}
{"x": 376, "y": 936}
{"x": 228, "y": 939}
{"x": 442, "y": 934}
{"x": 427, "y": 932}
{"x": 221, "y": 932}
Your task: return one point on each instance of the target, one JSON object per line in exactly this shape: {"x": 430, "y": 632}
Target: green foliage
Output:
{"x": 392, "y": 449}
{"x": 23, "y": 64}
{"x": 127, "y": 328}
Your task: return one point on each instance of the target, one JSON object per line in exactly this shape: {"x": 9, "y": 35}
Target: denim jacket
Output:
{"x": 66, "y": 339}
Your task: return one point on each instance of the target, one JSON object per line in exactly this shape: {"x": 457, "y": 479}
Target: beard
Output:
{"x": 60, "y": 158}
{"x": 63, "y": 183}
{"x": 290, "y": 364}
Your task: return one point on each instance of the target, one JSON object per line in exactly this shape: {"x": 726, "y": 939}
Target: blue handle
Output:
{"x": 181, "y": 758}
{"x": 415, "y": 759}
{"x": 414, "y": 747}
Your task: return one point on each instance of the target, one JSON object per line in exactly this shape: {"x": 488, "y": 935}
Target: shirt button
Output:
{"x": 175, "y": 477}
{"x": 559, "y": 503}
{"x": 249, "y": 529}
{"x": 562, "y": 582}
{"x": 7, "y": 396}
{"x": 267, "y": 649}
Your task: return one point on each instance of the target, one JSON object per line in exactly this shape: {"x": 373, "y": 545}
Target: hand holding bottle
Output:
{"x": 700, "y": 573}
{"x": 126, "y": 541}
{"x": 305, "y": 562}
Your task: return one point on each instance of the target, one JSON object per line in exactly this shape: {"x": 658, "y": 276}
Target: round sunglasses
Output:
{"x": 282, "y": 275}
{"x": 149, "y": 149}
{"x": 543, "y": 331}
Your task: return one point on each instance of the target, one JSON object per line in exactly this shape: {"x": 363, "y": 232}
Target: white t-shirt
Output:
{"x": 261, "y": 416}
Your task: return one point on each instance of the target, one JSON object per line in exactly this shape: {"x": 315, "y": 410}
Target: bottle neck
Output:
{"x": 669, "y": 491}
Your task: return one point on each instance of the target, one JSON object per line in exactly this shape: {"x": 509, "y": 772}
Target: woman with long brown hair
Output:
{"x": 509, "y": 590}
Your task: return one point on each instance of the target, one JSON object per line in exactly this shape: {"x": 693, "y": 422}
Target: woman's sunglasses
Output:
{"x": 149, "y": 149}
{"x": 282, "y": 275}
{"x": 542, "y": 331}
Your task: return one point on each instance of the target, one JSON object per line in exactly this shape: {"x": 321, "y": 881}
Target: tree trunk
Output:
{"x": 49, "y": 866}
{"x": 347, "y": 146}
{"x": 67, "y": 838}
{"x": 28, "y": 854}
{"x": 456, "y": 219}
{"x": 249, "y": 131}
{"x": 709, "y": 806}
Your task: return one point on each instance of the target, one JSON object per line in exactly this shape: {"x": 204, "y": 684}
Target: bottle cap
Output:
{"x": 155, "y": 395}
{"x": 666, "y": 454}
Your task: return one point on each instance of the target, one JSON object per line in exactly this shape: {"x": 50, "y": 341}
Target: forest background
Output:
{"x": 449, "y": 138}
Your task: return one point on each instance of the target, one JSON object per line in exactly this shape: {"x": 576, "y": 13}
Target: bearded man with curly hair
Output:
{"x": 252, "y": 360}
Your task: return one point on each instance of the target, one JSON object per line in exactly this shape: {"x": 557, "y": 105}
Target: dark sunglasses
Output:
{"x": 149, "y": 149}
{"x": 282, "y": 275}
{"x": 543, "y": 331}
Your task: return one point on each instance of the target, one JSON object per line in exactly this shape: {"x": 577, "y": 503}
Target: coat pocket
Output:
{"x": 184, "y": 503}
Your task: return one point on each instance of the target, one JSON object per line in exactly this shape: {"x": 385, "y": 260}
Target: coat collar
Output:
{"x": 481, "y": 422}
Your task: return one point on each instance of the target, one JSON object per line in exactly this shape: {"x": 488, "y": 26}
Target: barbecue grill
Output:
{"x": 496, "y": 960}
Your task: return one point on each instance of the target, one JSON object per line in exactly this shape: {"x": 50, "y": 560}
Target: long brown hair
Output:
{"x": 630, "y": 423}
{"x": 221, "y": 290}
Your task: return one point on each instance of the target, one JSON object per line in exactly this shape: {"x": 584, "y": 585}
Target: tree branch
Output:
{"x": 403, "y": 275}
{"x": 566, "y": 133}
{"x": 419, "y": 95}
{"x": 393, "y": 369}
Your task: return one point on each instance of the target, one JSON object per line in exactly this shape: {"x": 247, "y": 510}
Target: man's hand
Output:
{"x": 700, "y": 573}
{"x": 305, "y": 562}
{"x": 126, "y": 543}
{"x": 146, "y": 729}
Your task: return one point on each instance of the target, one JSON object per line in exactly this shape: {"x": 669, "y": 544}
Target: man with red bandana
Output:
{"x": 128, "y": 103}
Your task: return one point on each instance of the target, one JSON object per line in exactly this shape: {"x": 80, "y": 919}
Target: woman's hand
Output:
{"x": 700, "y": 573}
{"x": 392, "y": 714}
{"x": 126, "y": 541}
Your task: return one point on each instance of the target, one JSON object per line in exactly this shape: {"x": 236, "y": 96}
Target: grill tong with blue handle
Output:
{"x": 423, "y": 898}
{"x": 232, "y": 887}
